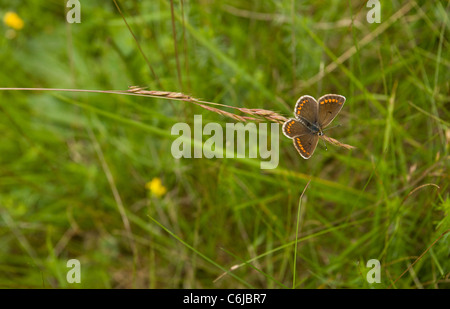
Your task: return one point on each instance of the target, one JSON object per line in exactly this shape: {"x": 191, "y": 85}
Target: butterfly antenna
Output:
{"x": 325, "y": 144}
{"x": 326, "y": 129}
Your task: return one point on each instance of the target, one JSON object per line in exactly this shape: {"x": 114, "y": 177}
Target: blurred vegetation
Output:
{"x": 90, "y": 176}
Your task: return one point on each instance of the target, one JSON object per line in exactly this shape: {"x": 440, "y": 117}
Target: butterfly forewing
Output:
{"x": 329, "y": 106}
{"x": 306, "y": 108}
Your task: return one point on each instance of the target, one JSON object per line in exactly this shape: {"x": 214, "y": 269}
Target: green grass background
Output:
{"x": 69, "y": 161}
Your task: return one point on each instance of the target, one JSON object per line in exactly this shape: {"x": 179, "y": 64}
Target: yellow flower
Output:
{"x": 13, "y": 20}
{"x": 156, "y": 188}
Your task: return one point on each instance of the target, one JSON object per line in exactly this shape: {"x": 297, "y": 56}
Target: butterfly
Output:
{"x": 311, "y": 117}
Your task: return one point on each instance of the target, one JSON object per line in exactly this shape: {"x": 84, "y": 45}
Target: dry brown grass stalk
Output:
{"x": 261, "y": 114}
{"x": 257, "y": 113}
{"x": 336, "y": 142}
{"x": 227, "y": 114}
{"x": 165, "y": 94}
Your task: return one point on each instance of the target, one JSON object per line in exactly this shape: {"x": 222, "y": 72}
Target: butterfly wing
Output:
{"x": 293, "y": 128}
{"x": 306, "y": 108}
{"x": 304, "y": 140}
{"x": 306, "y": 144}
{"x": 329, "y": 106}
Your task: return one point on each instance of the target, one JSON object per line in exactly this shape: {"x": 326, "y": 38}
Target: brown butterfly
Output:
{"x": 311, "y": 117}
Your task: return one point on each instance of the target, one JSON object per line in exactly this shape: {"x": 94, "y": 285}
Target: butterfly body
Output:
{"x": 311, "y": 117}
{"x": 314, "y": 127}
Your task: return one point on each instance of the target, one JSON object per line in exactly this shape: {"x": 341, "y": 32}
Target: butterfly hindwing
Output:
{"x": 304, "y": 140}
{"x": 306, "y": 144}
{"x": 293, "y": 128}
{"x": 329, "y": 106}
